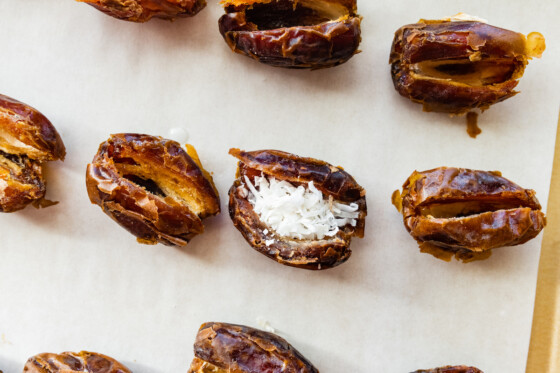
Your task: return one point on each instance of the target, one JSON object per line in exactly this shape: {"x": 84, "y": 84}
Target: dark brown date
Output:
{"x": 292, "y": 33}
{"x": 152, "y": 188}
{"x": 223, "y": 348}
{"x": 71, "y": 362}
{"x": 466, "y": 213}
{"x": 456, "y": 66}
{"x": 335, "y": 185}
{"x": 144, "y": 10}
{"x": 451, "y": 369}
{"x": 27, "y": 140}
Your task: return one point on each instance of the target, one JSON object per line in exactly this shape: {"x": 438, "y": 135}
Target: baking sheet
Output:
{"x": 544, "y": 352}
{"x": 71, "y": 279}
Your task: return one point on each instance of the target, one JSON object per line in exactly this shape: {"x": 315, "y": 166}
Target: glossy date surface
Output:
{"x": 152, "y": 187}
{"x": 467, "y": 213}
{"x": 457, "y": 66}
{"x": 292, "y": 34}
{"x": 27, "y": 140}
{"x": 144, "y": 10}
{"x": 223, "y": 348}
{"x": 71, "y": 362}
{"x": 332, "y": 181}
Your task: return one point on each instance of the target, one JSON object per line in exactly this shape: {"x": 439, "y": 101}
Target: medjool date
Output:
{"x": 457, "y": 65}
{"x": 223, "y": 348}
{"x": 71, "y": 362}
{"x": 301, "y": 212}
{"x": 292, "y": 33}
{"x": 152, "y": 188}
{"x": 27, "y": 140}
{"x": 466, "y": 213}
{"x": 451, "y": 369}
{"x": 144, "y": 10}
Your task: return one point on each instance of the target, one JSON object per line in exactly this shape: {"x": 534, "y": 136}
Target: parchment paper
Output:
{"x": 71, "y": 279}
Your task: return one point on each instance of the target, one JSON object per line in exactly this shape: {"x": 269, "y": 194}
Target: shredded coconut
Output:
{"x": 298, "y": 212}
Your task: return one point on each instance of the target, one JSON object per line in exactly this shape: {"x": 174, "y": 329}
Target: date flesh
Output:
{"x": 27, "y": 140}
{"x": 292, "y": 34}
{"x": 152, "y": 188}
{"x": 144, "y": 10}
{"x": 467, "y": 213}
{"x": 223, "y": 348}
{"x": 457, "y": 66}
{"x": 71, "y": 362}
{"x": 332, "y": 181}
{"x": 451, "y": 369}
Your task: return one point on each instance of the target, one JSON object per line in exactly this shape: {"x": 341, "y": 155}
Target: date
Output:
{"x": 144, "y": 10}
{"x": 292, "y": 33}
{"x": 71, "y": 362}
{"x": 467, "y": 213}
{"x": 27, "y": 140}
{"x": 301, "y": 212}
{"x": 152, "y": 187}
{"x": 456, "y": 65}
{"x": 452, "y": 369}
{"x": 223, "y": 348}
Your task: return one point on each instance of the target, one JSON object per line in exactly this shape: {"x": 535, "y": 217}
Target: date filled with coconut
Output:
{"x": 301, "y": 212}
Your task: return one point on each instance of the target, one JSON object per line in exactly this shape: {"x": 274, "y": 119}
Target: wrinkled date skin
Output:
{"x": 466, "y": 213}
{"x": 144, "y": 10}
{"x": 452, "y": 369}
{"x": 71, "y": 362}
{"x": 458, "y": 66}
{"x": 224, "y": 348}
{"x": 292, "y": 33}
{"x": 331, "y": 181}
{"x": 152, "y": 188}
{"x": 27, "y": 140}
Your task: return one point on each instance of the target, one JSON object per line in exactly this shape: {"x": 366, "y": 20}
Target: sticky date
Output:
{"x": 335, "y": 184}
{"x": 456, "y": 66}
{"x": 144, "y": 10}
{"x": 223, "y": 348}
{"x": 152, "y": 188}
{"x": 451, "y": 369}
{"x": 71, "y": 362}
{"x": 292, "y": 33}
{"x": 466, "y": 213}
{"x": 27, "y": 140}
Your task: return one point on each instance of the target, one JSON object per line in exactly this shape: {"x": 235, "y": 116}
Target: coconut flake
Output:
{"x": 460, "y": 17}
{"x": 298, "y": 212}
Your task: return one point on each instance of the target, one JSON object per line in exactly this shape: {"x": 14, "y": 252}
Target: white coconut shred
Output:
{"x": 298, "y": 212}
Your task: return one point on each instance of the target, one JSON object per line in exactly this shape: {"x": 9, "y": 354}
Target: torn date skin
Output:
{"x": 303, "y": 34}
{"x": 451, "y": 369}
{"x": 458, "y": 66}
{"x": 224, "y": 348}
{"x": 331, "y": 181}
{"x": 144, "y": 10}
{"x": 71, "y": 362}
{"x": 462, "y": 213}
{"x": 152, "y": 187}
{"x": 27, "y": 140}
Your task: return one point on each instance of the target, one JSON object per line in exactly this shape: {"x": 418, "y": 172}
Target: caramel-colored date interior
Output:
{"x": 287, "y": 13}
{"x": 474, "y": 73}
{"x": 462, "y": 208}
{"x": 201, "y": 366}
{"x": 162, "y": 182}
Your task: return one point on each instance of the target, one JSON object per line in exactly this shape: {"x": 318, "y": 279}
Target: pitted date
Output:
{"x": 152, "y": 188}
{"x": 223, "y": 348}
{"x": 456, "y": 66}
{"x": 144, "y": 10}
{"x": 451, "y": 369}
{"x": 335, "y": 184}
{"x": 466, "y": 213}
{"x": 27, "y": 140}
{"x": 71, "y": 362}
{"x": 292, "y": 33}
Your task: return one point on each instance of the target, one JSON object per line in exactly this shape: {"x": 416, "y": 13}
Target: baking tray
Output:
{"x": 71, "y": 279}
